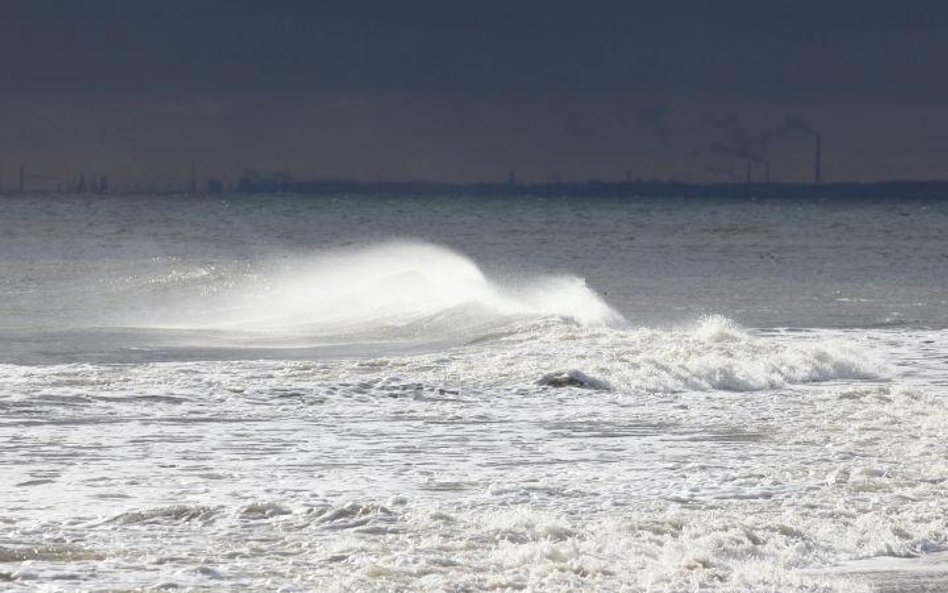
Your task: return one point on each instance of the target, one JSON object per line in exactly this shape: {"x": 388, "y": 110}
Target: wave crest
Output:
{"x": 410, "y": 291}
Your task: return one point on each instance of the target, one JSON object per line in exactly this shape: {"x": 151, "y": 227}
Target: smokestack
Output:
{"x": 817, "y": 174}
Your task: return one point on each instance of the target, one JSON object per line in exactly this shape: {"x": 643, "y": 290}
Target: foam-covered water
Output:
{"x": 183, "y": 410}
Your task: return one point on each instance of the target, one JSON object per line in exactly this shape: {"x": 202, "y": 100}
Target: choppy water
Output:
{"x": 370, "y": 394}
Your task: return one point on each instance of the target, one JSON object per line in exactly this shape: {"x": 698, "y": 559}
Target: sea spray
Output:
{"x": 394, "y": 291}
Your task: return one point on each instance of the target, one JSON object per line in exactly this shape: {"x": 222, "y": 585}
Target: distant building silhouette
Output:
{"x": 818, "y": 157}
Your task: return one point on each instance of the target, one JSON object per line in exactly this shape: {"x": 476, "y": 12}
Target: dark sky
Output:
{"x": 460, "y": 91}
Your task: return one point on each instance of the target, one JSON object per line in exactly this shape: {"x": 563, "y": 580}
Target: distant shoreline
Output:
{"x": 894, "y": 189}
{"x": 615, "y": 189}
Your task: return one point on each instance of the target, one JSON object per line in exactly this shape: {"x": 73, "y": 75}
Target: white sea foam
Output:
{"x": 719, "y": 461}
{"x": 714, "y": 354}
{"x": 709, "y": 457}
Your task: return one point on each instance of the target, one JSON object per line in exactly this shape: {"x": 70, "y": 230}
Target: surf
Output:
{"x": 396, "y": 291}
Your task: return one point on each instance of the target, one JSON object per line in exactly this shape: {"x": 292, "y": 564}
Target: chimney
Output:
{"x": 817, "y": 165}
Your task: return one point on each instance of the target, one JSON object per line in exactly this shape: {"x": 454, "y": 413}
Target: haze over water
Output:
{"x": 303, "y": 393}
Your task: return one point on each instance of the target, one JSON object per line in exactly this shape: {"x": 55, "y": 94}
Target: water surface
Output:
{"x": 332, "y": 394}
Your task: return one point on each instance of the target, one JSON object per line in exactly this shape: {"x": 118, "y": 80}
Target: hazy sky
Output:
{"x": 470, "y": 90}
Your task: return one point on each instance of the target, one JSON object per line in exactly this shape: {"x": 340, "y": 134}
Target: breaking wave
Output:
{"x": 714, "y": 354}
{"x": 531, "y": 332}
{"x": 395, "y": 291}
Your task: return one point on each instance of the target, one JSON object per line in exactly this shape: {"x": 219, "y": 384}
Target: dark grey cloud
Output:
{"x": 452, "y": 89}
{"x": 676, "y": 47}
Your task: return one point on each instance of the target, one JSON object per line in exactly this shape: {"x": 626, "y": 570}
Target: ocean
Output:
{"x": 367, "y": 393}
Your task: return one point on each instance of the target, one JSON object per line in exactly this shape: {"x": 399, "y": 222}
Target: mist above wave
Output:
{"x": 396, "y": 290}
